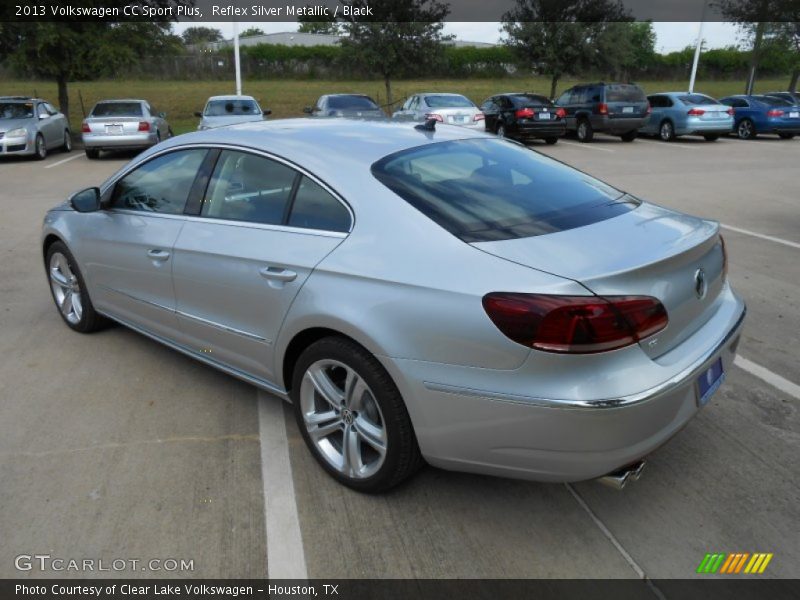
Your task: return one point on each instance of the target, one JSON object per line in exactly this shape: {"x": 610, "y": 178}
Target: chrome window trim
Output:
{"x": 111, "y": 182}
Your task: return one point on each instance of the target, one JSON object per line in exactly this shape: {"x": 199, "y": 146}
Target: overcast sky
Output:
{"x": 670, "y": 36}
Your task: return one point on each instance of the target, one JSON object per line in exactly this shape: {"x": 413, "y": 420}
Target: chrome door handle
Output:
{"x": 278, "y": 274}
{"x": 158, "y": 254}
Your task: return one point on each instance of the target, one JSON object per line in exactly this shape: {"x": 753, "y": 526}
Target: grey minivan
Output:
{"x": 613, "y": 108}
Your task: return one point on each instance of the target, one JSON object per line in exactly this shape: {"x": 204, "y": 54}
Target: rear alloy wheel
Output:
{"x": 39, "y": 148}
{"x": 67, "y": 145}
{"x": 630, "y": 136}
{"x": 585, "y": 132}
{"x": 92, "y": 153}
{"x": 69, "y": 291}
{"x": 551, "y": 140}
{"x": 501, "y": 131}
{"x": 746, "y": 130}
{"x": 352, "y": 416}
{"x": 711, "y": 138}
{"x": 667, "y": 131}
{"x": 786, "y": 136}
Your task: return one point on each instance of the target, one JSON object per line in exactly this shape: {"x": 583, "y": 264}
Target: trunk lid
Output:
{"x": 457, "y": 116}
{"x": 114, "y": 124}
{"x": 649, "y": 251}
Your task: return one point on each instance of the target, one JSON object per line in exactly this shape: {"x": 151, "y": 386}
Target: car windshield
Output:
{"x": 448, "y": 100}
{"x": 352, "y": 103}
{"x": 117, "y": 109}
{"x": 229, "y": 108}
{"x": 772, "y": 101}
{"x": 624, "y": 93}
{"x": 697, "y": 99}
{"x": 483, "y": 190}
{"x": 16, "y": 110}
{"x": 523, "y": 100}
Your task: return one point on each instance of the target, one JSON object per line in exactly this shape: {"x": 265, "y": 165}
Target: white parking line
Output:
{"x": 285, "y": 556}
{"x": 775, "y": 380}
{"x": 61, "y": 162}
{"x": 770, "y": 238}
{"x": 586, "y": 146}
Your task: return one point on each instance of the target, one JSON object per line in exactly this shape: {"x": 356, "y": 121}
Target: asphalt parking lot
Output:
{"x": 112, "y": 446}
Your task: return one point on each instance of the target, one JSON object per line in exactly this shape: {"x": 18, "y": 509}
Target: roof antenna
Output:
{"x": 429, "y": 125}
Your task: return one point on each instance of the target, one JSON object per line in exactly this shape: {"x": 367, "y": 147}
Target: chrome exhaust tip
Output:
{"x": 619, "y": 479}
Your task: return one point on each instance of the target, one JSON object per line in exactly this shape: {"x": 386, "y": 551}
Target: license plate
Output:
{"x": 627, "y": 109}
{"x": 794, "y": 115}
{"x": 709, "y": 381}
{"x": 544, "y": 116}
{"x": 114, "y": 129}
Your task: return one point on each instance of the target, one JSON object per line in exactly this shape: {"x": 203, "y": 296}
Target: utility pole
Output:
{"x": 698, "y": 47}
{"x": 236, "y": 60}
{"x": 754, "y": 57}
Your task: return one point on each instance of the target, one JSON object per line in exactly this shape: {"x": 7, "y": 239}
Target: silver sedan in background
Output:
{"x": 453, "y": 109}
{"x": 441, "y": 295}
{"x": 123, "y": 125}
{"x": 31, "y": 126}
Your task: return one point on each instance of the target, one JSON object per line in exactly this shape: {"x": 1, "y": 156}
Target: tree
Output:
{"x": 200, "y": 36}
{"x": 401, "y": 35}
{"x": 252, "y": 31}
{"x": 563, "y": 37}
{"x": 327, "y": 25}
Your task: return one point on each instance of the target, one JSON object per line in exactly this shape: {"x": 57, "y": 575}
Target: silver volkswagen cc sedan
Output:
{"x": 418, "y": 294}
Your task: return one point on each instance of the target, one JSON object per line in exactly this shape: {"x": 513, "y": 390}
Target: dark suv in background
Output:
{"x": 613, "y": 108}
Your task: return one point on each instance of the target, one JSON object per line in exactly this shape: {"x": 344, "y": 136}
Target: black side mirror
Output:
{"x": 198, "y": 114}
{"x": 267, "y": 111}
{"x": 87, "y": 200}
{"x": 308, "y": 110}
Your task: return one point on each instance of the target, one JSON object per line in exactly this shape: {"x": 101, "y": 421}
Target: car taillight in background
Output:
{"x": 85, "y": 127}
{"x": 696, "y": 112}
{"x": 602, "y": 108}
{"x": 435, "y": 117}
{"x": 524, "y": 113}
{"x": 561, "y": 113}
{"x": 774, "y": 113}
{"x": 649, "y": 109}
{"x": 731, "y": 112}
{"x": 144, "y": 126}
{"x": 479, "y": 117}
{"x": 575, "y": 324}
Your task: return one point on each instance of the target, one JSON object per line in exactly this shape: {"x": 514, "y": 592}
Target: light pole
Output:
{"x": 698, "y": 47}
{"x": 237, "y": 63}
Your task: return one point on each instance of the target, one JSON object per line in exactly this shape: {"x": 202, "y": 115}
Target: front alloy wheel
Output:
{"x": 40, "y": 149}
{"x": 66, "y": 289}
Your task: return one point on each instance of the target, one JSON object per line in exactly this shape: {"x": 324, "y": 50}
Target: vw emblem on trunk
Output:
{"x": 700, "y": 285}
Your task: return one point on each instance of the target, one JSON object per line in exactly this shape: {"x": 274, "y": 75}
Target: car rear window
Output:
{"x": 772, "y": 101}
{"x": 624, "y": 93}
{"x": 117, "y": 109}
{"x": 446, "y": 101}
{"x": 484, "y": 190}
{"x": 523, "y": 100}
{"x": 352, "y": 103}
{"x": 228, "y": 108}
{"x": 697, "y": 99}
{"x": 16, "y": 110}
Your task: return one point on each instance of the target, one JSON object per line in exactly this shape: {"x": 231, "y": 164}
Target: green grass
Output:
{"x": 286, "y": 98}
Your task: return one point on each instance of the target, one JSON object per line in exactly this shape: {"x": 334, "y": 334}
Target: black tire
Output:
{"x": 630, "y": 136}
{"x": 666, "y": 131}
{"x": 92, "y": 153}
{"x": 67, "y": 145}
{"x": 500, "y": 131}
{"x": 746, "y": 130}
{"x": 711, "y": 137}
{"x": 402, "y": 456}
{"x": 786, "y": 136}
{"x": 551, "y": 140}
{"x": 89, "y": 319}
{"x": 39, "y": 148}
{"x": 584, "y": 131}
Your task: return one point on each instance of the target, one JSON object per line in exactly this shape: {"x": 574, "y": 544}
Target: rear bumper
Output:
{"x": 537, "y": 131}
{"x": 700, "y": 127}
{"x": 100, "y": 141}
{"x": 617, "y": 126}
{"x": 493, "y": 431}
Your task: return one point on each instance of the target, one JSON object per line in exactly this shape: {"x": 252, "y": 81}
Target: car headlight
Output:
{"x": 17, "y": 133}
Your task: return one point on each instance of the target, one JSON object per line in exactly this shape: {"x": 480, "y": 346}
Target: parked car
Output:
{"x": 123, "y": 125}
{"x": 764, "y": 114}
{"x": 345, "y": 105}
{"x": 614, "y": 108}
{"x": 681, "y": 113}
{"x": 441, "y": 295}
{"x": 229, "y": 110}
{"x": 31, "y": 127}
{"x": 523, "y": 117}
{"x": 452, "y": 109}
{"x": 792, "y": 97}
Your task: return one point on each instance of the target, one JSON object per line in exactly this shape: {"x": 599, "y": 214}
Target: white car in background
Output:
{"x": 229, "y": 110}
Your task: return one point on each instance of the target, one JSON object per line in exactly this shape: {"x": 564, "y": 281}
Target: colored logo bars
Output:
{"x": 734, "y": 563}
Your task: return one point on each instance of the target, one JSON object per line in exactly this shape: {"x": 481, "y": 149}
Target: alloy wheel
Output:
{"x": 40, "y": 149}
{"x": 501, "y": 131}
{"x": 667, "y": 132}
{"x": 745, "y": 130}
{"x": 66, "y": 289}
{"x": 67, "y": 142}
{"x": 343, "y": 419}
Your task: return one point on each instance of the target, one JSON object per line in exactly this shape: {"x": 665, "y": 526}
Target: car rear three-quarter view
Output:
{"x": 419, "y": 295}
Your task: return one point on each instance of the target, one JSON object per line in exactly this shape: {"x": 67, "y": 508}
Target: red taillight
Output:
{"x": 85, "y": 127}
{"x": 731, "y": 112}
{"x": 144, "y": 126}
{"x": 524, "y": 113}
{"x": 602, "y": 108}
{"x": 724, "y": 258}
{"x": 696, "y": 112}
{"x": 479, "y": 117}
{"x": 435, "y": 117}
{"x": 774, "y": 113}
{"x": 575, "y": 324}
{"x": 561, "y": 113}
{"x": 649, "y": 109}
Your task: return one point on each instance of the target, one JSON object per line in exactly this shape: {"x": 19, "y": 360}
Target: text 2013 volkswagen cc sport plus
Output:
{"x": 420, "y": 295}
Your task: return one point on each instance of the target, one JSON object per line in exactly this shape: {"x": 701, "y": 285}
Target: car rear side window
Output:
{"x": 117, "y": 109}
{"x": 484, "y": 190}
{"x": 315, "y": 208}
{"x": 160, "y": 185}
{"x": 624, "y": 93}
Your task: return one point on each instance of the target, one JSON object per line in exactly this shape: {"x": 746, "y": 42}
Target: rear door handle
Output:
{"x": 278, "y": 274}
{"x": 158, "y": 254}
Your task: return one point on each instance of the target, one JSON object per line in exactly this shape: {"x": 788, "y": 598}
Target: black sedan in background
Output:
{"x": 524, "y": 117}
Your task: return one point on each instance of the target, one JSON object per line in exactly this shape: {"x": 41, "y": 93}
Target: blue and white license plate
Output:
{"x": 709, "y": 381}
{"x": 794, "y": 114}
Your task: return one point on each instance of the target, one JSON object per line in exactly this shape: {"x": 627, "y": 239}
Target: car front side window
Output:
{"x": 160, "y": 185}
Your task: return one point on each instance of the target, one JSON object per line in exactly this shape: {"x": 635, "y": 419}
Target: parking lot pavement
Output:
{"x": 113, "y": 446}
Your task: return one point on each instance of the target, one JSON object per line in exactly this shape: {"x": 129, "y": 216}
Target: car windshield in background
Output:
{"x": 117, "y": 109}
{"x": 772, "y": 101}
{"x": 522, "y": 100}
{"x": 16, "y": 110}
{"x": 485, "y": 190}
{"x": 624, "y": 93}
{"x": 228, "y": 108}
{"x": 351, "y": 103}
{"x": 697, "y": 99}
{"x": 448, "y": 101}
